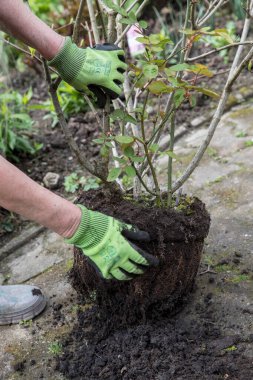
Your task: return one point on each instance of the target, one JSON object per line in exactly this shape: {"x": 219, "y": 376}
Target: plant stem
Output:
{"x": 184, "y": 40}
{"x": 75, "y": 36}
{"x": 193, "y": 14}
{"x": 145, "y": 145}
{"x": 142, "y": 181}
{"x": 93, "y": 21}
{"x": 214, "y": 7}
{"x": 197, "y": 58}
{"x": 100, "y": 14}
{"x": 170, "y": 159}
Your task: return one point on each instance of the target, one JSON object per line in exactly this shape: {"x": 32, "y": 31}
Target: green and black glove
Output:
{"x": 104, "y": 240}
{"x": 91, "y": 70}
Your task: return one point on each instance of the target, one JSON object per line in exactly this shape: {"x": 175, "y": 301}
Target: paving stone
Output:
{"x": 23, "y": 238}
{"x": 35, "y": 257}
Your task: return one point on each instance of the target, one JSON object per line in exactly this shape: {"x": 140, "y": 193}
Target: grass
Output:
{"x": 240, "y": 278}
{"x": 55, "y": 348}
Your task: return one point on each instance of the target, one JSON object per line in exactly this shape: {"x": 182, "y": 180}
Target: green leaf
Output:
{"x": 193, "y": 100}
{"x": 99, "y": 141}
{"x": 172, "y": 155}
{"x": 130, "y": 171}
{"x": 205, "y": 91}
{"x": 143, "y": 40}
{"x": 32, "y": 51}
{"x": 129, "y": 151}
{"x": 113, "y": 174}
{"x": 120, "y": 160}
{"x": 132, "y": 17}
{"x": 179, "y": 97}
{"x": 104, "y": 151}
{"x": 143, "y": 24}
{"x": 150, "y": 71}
{"x": 112, "y": 5}
{"x": 154, "y": 148}
{"x": 137, "y": 159}
{"x": 123, "y": 116}
{"x": 159, "y": 87}
{"x": 126, "y": 21}
{"x": 200, "y": 69}
{"x": 124, "y": 139}
{"x": 156, "y": 49}
{"x": 12, "y": 139}
{"x": 179, "y": 67}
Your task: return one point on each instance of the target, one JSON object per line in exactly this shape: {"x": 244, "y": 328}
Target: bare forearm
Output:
{"x": 20, "y": 194}
{"x": 17, "y": 19}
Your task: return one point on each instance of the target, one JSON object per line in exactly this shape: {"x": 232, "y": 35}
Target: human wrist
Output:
{"x": 68, "y": 60}
{"x": 92, "y": 229}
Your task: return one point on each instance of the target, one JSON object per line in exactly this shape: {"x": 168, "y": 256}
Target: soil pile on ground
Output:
{"x": 163, "y": 348}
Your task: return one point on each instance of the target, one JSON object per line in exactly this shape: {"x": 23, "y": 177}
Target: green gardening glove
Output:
{"x": 100, "y": 237}
{"x": 102, "y": 66}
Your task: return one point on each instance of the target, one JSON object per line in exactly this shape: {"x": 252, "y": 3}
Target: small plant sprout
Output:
{"x": 74, "y": 182}
{"x": 26, "y": 323}
{"x": 55, "y": 348}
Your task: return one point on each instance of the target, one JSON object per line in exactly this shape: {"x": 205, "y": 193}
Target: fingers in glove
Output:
{"x": 99, "y": 94}
{"x": 144, "y": 258}
{"x": 114, "y": 91}
{"x": 130, "y": 275}
{"x": 135, "y": 234}
{"x": 117, "y": 274}
{"x": 131, "y": 268}
{"x": 122, "y": 66}
{"x": 99, "y": 273}
{"x": 119, "y": 78}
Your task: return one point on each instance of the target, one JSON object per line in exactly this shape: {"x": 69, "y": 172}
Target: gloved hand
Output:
{"x": 100, "y": 237}
{"x": 102, "y": 66}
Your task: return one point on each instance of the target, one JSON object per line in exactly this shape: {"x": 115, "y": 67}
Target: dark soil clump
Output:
{"x": 176, "y": 239}
{"x": 164, "y": 348}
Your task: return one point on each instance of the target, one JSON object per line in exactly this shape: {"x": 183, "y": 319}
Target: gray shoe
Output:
{"x": 20, "y": 302}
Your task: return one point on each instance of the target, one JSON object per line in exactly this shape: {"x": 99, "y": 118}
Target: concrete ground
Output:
{"x": 224, "y": 181}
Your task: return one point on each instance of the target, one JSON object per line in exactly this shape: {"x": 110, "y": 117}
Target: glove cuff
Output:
{"x": 69, "y": 61}
{"x": 91, "y": 231}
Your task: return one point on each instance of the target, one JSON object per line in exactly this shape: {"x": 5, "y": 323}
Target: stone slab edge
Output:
{"x": 23, "y": 238}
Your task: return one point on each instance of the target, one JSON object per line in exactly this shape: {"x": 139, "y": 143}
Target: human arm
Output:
{"x": 22, "y": 195}
{"x": 82, "y": 68}
{"x": 99, "y": 236}
{"x": 18, "y": 20}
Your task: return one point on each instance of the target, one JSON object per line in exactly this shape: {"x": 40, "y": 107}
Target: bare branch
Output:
{"x": 75, "y": 36}
{"x": 93, "y": 21}
{"x": 197, "y": 58}
{"x": 213, "y": 8}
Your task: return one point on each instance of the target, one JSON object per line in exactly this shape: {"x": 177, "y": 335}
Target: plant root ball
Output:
{"x": 177, "y": 238}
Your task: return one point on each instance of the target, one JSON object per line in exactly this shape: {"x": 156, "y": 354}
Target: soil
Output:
{"x": 163, "y": 348}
